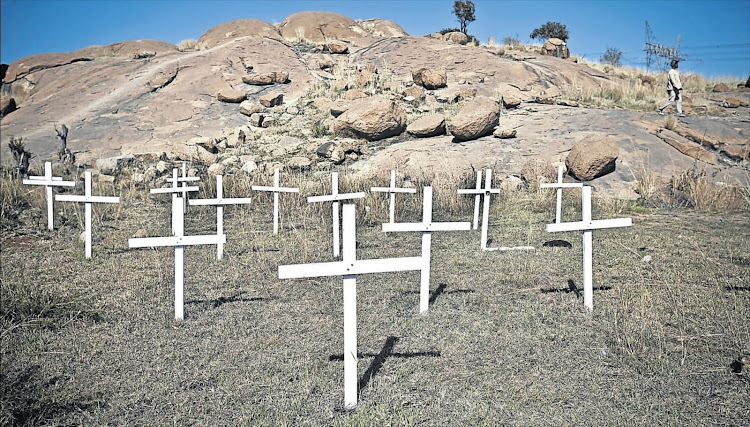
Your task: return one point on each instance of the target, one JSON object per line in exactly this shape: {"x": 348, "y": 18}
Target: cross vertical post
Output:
{"x": 276, "y": 190}
{"x": 559, "y": 185}
{"x": 426, "y": 227}
{"x": 487, "y": 191}
{"x": 49, "y": 181}
{"x": 219, "y": 202}
{"x": 178, "y": 241}
{"x": 393, "y": 190}
{"x": 587, "y": 225}
{"x": 87, "y": 199}
{"x": 349, "y": 268}
{"x": 335, "y": 197}
{"x": 173, "y": 190}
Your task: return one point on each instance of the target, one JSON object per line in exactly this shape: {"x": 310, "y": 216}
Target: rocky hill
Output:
{"x": 321, "y": 91}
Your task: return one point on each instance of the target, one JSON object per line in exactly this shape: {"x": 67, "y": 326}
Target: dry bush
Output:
{"x": 670, "y": 122}
{"x": 703, "y": 194}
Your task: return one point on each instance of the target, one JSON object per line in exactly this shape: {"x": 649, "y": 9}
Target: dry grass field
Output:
{"x": 506, "y": 340}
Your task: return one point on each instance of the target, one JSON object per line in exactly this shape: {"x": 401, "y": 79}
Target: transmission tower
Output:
{"x": 659, "y": 54}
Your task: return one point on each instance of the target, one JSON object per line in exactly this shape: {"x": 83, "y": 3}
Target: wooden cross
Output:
{"x": 87, "y": 199}
{"x": 560, "y": 185}
{"x": 587, "y": 226}
{"x": 173, "y": 190}
{"x": 49, "y": 181}
{"x": 349, "y": 267}
{"x": 184, "y": 179}
{"x": 276, "y": 190}
{"x": 178, "y": 241}
{"x": 219, "y": 202}
{"x": 487, "y": 191}
{"x": 427, "y": 227}
{"x": 335, "y": 197}
{"x": 393, "y": 190}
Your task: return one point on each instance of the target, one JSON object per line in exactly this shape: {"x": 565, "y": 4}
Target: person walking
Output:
{"x": 674, "y": 89}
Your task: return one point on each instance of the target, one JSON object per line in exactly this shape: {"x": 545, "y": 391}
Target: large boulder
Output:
{"x": 556, "y": 47}
{"x": 371, "y": 118}
{"x": 7, "y": 105}
{"x": 478, "y": 117}
{"x": 231, "y": 95}
{"x": 721, "y": 87}
{"x": 429, "y": 78}
{"x": 456, "y": 37}
{"x": 592, "y": 157}
{"x": 383, "y": 28}
{"x": 337, "y": 47}
{"x": 235, "y": 29}
{"x": 319, "y": 27}
{"x": 510, "y": 101}
{"x": 427, "y": 126}
{"x": 113, "y": 165}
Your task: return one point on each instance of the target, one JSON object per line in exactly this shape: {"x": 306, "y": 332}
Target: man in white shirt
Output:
{"x": 674, "y": 87}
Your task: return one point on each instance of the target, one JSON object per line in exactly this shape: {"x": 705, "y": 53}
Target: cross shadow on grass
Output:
{"x": 440, "y": 290}
{"x": 379, "y": 359}
{"x": 218, "y": 302}
{"x": 573, "y": 288}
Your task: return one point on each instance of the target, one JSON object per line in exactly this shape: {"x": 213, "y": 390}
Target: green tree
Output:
{"x": 550, "y": 30}
{"x": 464, "y": 11}
{"x": 612, "y": 57}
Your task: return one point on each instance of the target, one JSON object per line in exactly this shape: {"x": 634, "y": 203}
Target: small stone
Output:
{"x": 647, "y": 258}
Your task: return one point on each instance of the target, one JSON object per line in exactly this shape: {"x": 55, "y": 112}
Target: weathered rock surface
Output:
{"x": 383, "y": 28}
{"x": 271, "y": 99}
{"x": 337, "y": 47}
{"x": 427, "y": 126}
{"x": 510, "y": 101}
{"x": 456, "y": 37}
{"x": 113, "y": 165}
{"x": 249, "y": 108}
{"x": 592, "y": 157}
{"x": 556, "y": 47}
{"x": 7, "y": 105}
{"x": 429, "y": 78}
{"x": 317, "y": 27}
{"x": 477, "y": 118}
{"x": 231, "y": 95}
{"x": 235, "y": 29}
{"x": 372, "y": 118}
{"x": 504, "y": 133}
{"x": 720, "y": 87}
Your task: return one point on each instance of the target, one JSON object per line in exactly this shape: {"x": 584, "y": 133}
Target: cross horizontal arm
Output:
{"x": 590, "y": 225}
{"x": 478, "y": 191}
{"x": 335, "y": 197}
{"x": 341, "y": 268}
{"x": 219, "y": 202}
{"x": 44, "y": 181}
{"x": 275, "y": 189}
{"x": 562, "y": 185}
{"x": 185, "y": 179}
{"x": 149, "y": 242}
{"x": 86, "y": 199}
{"x": 433, "y": 226}
{"x": 42, "y": 177}
{"x": 173, "y": 190}
{"x": 392, "y": 190}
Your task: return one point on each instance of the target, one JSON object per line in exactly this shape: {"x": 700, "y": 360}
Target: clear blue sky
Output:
{"x": 714, "y": 34}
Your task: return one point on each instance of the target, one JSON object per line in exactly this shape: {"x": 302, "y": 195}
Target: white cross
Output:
{"x": 393, "y": 190}
{"x": 587, "y": 225}
{"x": 276, "y": 190}
{"x": 87, "y": 199}
{"x": 178, "y": 241}
{"x": 349, "y": 267}
{"x": 49, "y": 181}
{"x": 487, "y": 191}
{"x": 173, "y": 190}
{"x": 184, "y": 179}
{"x": 219, "y": 202}
{"x": 560, "y": 185}
{"x": 335, "y": 197}
{"x": 427, "y": 227}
